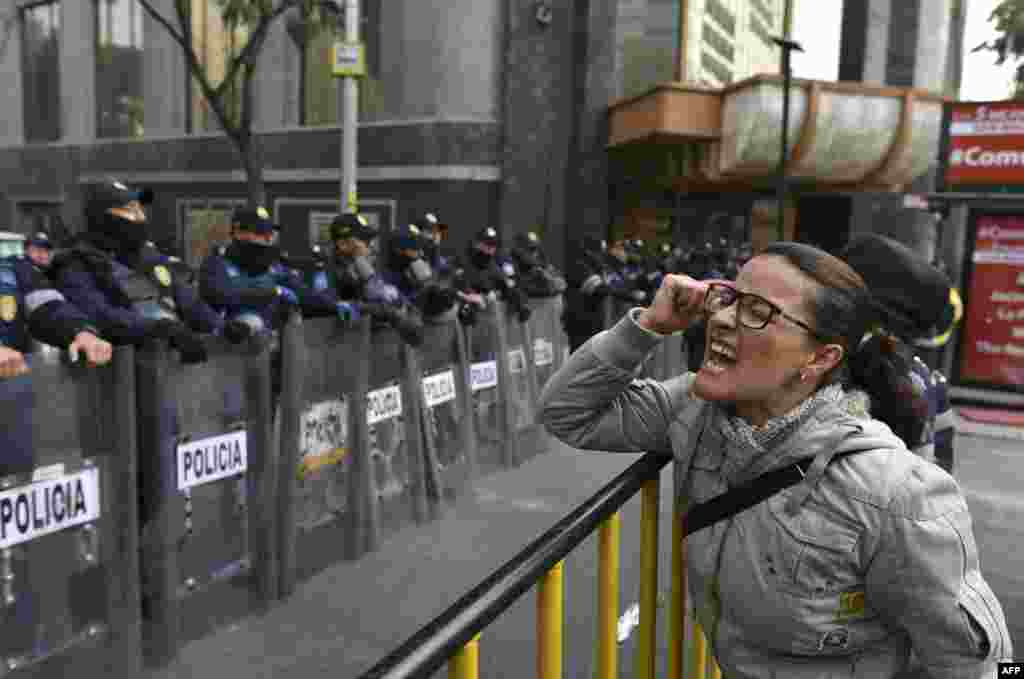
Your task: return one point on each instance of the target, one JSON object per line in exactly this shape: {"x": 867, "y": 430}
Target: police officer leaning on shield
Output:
{"x": 248, "y": 282}
{"x": 354, "y": 276}
{"x": 30, "y": 308}
{"x": 128, "y": 290}
{"x": 483, "y": 272}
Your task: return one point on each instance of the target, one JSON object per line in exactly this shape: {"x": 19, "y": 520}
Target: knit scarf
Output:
{"x": 750, "y": 440}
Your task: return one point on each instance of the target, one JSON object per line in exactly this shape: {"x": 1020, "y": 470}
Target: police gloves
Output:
{"x": 287, "y": 295}
{"x": 236, "y": 331}
{"x": 467, "y": 313}
{"x": 346, "y": 312}
{"x": 189, "y": 344}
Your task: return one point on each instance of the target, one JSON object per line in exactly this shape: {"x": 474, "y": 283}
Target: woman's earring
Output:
{"x": 803, "y": 376}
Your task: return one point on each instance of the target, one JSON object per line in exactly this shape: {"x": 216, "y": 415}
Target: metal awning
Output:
{"x": 842, "y": 136}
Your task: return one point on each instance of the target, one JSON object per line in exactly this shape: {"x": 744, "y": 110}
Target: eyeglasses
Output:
{"x": 753, "y": 311}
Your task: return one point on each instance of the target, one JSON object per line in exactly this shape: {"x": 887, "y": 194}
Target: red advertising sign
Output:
{"x": 986, "y": 143}
{"x": 993, "y": 344}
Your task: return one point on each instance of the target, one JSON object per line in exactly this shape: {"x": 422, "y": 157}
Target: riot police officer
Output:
{"x": 434, "y": 233}
{"x": 354, "y": 276}
{"x": 409, "y": 271}
{"x": 30, "y": 308}
{"x": 482, "y": 273}
{"x": 537, "y": 277}
{"x": 920, "y": 308}
{"x": 247, "y": 281}
{"x": 128, "y": 290}
{"x": 39, "y": 251}
{"x": 584, "y": 313}
{"x": 623, "y": 275}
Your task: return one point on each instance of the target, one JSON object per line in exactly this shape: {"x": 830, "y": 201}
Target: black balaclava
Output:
{"x": 112, "y": 232}
{"x": 255, "y": 258}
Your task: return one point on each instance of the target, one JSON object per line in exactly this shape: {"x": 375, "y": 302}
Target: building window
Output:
{"x": 758, "y": 29}
{"x": 714, "y": 40}
{"x": 215, "y": 45}
{"x": 648, "y": 43}
{"x": 318, "y": 96}
{"x": 118, "y": 68}
{"x": 715, "y": 68}
{"x": 767, "y": 14}
{"x": 205, "y": 223}
{"x": 722, "y": 16}
{"x": 40, "y": 66}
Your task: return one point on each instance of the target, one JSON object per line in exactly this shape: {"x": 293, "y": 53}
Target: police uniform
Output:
{"x": 31, "y": 307}
{"x": 128, "y": 290}
{"x": 484, "y": 273}
{"x": 249, "y": 282}
{"x": 588, "y": 286}
{"x": 414, "y": 277}
{"x": 537, "y": 277}
{"x": 358, "y": 278}
{"x": 440, "y": 263}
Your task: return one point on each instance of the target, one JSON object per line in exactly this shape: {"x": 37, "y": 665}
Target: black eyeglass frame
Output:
{"x": 740, "y": 296}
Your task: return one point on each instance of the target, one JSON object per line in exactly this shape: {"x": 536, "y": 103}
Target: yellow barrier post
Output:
{"x": 549, "y": 624}
{"x": 677, "y": 604}
{"x": 698, "y": 664}
{"x": 608, "y": 598}
{"x": 643, "y": 666}
{"x": 716, "y": 671}
{"x": 466, "y": 663}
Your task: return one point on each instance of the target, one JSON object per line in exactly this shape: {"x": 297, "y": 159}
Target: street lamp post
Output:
{"x": 788, "y": 46}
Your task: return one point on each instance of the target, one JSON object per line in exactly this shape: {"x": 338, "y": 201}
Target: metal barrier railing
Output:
{"x": 454, "y": 636}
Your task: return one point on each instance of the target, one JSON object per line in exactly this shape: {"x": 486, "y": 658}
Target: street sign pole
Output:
{"x": 349, "y": 65}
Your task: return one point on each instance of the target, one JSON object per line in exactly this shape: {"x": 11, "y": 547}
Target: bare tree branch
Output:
{"x": 255, "y": 43}
{"x": 194, "y": 66}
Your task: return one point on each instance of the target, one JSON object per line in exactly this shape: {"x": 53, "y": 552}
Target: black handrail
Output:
{"x": 429, "y": 648}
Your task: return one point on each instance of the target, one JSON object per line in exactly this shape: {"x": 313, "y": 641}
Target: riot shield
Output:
{"x": 207, "y": 480}
{"x": 398, "y": 490}
{"x": 485, "y": 342}
{"x": 69, "y": 595}
{"x": 549, "y": 339}
{"x": 325, "y": 371}
{"x": 450, "y": 444}
{"x": 521, "y": 388}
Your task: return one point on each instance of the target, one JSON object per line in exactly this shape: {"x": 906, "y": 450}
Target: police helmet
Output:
{"x": 114, "y": 193}
{"x": 352, "y": 225}
{"x": 428, "y": 223}
{"x": 529, "y": 241}
{"x": 407, "y": 237}
{"x": 487, "y": 236}
{"x": 40, "y": 240}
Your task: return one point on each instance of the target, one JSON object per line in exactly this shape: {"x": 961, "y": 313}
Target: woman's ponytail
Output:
{"x": 883, "y": 366}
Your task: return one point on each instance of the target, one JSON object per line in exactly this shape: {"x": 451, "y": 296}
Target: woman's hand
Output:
{"x": 679, "y": 303}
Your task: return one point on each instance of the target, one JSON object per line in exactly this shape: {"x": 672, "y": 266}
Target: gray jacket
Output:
{"x": 838, "y": 577}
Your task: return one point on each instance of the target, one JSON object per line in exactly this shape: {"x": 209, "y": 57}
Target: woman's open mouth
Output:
{"x": 718, "y": 357}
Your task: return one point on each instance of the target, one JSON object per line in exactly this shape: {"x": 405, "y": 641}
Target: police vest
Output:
{"x": 240, "y": 280}
{"x": 148, "y": 291}
{"x": 12, "y": 326}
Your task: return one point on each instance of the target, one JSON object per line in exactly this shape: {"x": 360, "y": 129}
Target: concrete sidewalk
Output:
{"x": 347, "y": 618}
